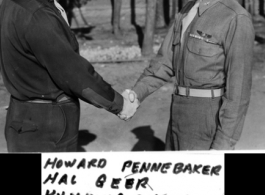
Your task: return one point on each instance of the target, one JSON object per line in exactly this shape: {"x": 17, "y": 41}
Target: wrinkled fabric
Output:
{"x": 40, "y": 57}
{"x": 33, "y": 127}
{"x": 192, "y": 127}
{"x": 217, "y": 53}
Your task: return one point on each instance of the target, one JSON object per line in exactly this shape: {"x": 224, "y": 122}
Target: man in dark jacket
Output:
{"x": 45, "y": 75}
{"x": 209, "y": 51}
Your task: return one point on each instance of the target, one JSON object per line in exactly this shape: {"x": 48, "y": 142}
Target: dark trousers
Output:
{"x": 42, "y": 127}
{"x": 193, "y": 123}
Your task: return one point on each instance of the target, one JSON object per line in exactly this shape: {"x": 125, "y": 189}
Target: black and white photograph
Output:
{"x": 81, "y": 77}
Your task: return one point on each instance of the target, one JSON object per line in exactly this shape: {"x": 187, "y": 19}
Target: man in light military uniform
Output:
{"x": 209, "y": 50}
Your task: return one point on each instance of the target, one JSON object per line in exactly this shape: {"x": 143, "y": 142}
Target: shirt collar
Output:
{"x": 205, "y": 4}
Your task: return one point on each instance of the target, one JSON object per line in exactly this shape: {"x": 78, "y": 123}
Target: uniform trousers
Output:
{"x": 193, "y": 123}
{"x": 42, "y": 127}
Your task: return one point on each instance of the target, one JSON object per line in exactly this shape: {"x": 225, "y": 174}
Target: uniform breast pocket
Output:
{"x": 203, "y": 59}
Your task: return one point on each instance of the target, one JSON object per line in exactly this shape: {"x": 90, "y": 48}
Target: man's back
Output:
{"x": 45, "y": 75}
{"x": 20, "y": 65}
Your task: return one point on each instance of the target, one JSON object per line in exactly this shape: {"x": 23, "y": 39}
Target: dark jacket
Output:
{"x": 40, "y": 57}
{"x": 223, "y": 58}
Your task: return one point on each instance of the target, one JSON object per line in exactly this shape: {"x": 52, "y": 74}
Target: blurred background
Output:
{"x": 119, "y": 37}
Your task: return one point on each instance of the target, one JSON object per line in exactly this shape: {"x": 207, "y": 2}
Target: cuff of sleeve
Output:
{"x": 114, "y": 106}
{"x": 223, "y": 142}
{"x": 117, "y": 104}
{"x": 140, "y": 90}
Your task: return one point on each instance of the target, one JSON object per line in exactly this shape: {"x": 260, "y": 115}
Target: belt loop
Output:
{"x": 175, "y": 91}
{"x": 62, "y": 98}
{"x": 212, "y": 92}
{"x": 187, "y": 92}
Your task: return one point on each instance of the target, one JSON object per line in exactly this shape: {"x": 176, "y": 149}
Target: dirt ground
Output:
{"x": 102, "y": 131}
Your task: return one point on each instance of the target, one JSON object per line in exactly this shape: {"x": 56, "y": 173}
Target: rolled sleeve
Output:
{"x": 235, "y": 102}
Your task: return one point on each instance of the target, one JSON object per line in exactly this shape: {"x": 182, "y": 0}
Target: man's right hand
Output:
{"x": 130, "y": 105}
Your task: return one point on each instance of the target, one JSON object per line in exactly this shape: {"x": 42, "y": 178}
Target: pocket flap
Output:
{"x": 202, "y": 48}
{"x": 22, "y": 127}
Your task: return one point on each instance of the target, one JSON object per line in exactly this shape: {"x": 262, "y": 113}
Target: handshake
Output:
{"x": 130, "y": 105}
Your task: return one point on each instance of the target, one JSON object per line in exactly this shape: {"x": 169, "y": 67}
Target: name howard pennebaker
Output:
{"x": 138, "y": 167}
